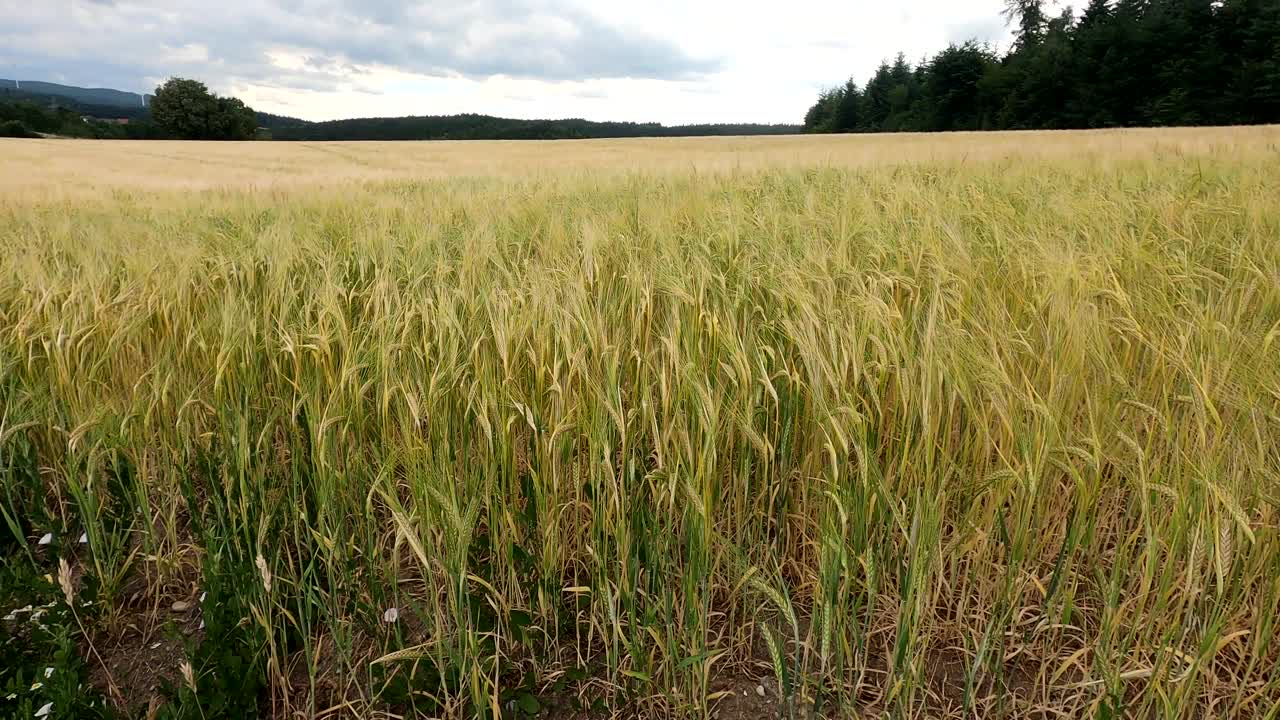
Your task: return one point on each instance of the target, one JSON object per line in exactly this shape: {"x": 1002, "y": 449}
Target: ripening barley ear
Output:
{"x": 188, "y": 675}
{"x": 264, "y": 572}
{"x": 776, "y": 659}
{"x": 64, "y": 581}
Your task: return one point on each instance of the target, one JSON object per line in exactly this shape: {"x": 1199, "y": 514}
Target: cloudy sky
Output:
{"x": 673, "y": 61}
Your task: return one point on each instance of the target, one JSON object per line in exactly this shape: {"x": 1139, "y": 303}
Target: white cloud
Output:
{"x": 189, "y": 54}
{"x": 665, "y": 60}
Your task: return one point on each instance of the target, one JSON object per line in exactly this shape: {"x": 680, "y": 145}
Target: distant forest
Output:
{"x": 62, "y": 111}
{"x": 32, "y": 114}
{"x": 1120, "y": 63}
{"x": 485, "y": 127}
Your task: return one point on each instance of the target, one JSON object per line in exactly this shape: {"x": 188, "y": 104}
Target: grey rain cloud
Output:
{"x": 128, "y": 43}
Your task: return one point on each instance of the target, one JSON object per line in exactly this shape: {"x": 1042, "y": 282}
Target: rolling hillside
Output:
{"x": 106, "y": 97}
{"x": 107, "y": 103}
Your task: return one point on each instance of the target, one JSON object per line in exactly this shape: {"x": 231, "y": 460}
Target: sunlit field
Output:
{"x": 973, "y": 425}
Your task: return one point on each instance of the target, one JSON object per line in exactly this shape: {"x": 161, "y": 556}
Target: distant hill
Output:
{"x": 104, "y": 97}
{"x": 9, "y": 94}
{"x": 25, "y": 114}
{"x": 487, "y": 127}
{"x": 107, "y": 103}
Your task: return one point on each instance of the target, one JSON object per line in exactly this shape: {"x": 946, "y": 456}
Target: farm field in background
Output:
{"x": 914, "y": 426}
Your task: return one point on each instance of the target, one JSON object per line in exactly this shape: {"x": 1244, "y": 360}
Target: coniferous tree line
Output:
{"x": 1118, "y": 63}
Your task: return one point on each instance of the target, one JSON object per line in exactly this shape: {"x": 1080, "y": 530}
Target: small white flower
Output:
{"x": 202, "y": 596}
{"x": 391, "y": 615}
{"x": 84, "y": 538}
{"x": 201, "y": 625}
{"x": 44, "y": 710}
{"x": 48, "y": 672}
{"x": 11, "y": 696}
{"x": 48, "y": 538}
{"x": 36, "y": 685}
{"x": 10, "y": 616}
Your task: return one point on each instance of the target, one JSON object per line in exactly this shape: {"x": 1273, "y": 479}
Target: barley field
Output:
{"x": 971, "y": 425}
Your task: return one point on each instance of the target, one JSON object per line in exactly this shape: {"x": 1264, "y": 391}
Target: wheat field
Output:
{"x": 971, "y": 425}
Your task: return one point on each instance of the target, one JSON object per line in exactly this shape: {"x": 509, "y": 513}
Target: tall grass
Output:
{"x": 959, "y": 437}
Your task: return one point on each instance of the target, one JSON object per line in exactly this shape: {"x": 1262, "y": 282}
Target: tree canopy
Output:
{"x": 185, "y": 109}
{"x": 1117, "y": 63}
